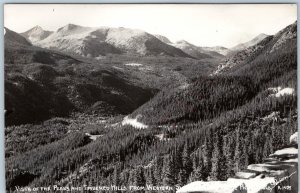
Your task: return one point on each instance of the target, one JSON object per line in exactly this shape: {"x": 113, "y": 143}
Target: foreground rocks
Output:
{"x": 278, "y": 174}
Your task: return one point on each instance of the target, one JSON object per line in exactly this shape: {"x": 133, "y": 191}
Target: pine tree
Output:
{"x": 207, "y": 153}
{"x": 139, "y": 178}
{"x": 268, "y": 149}
{"x": 168, "y": 172}
{"x": 182, "y": 178}
{"x": 150, "y": 177}
{"x": 131, "y": 177}
{"x": 228, "y": 152}
{"x": 218, "y": 170}
{"x": 116, "y": 179}
{"x": 198, "y": 173}
{"x": 186, "y": 160}
{"x": 158, "y": 165}
{"x": 238, "y": 152}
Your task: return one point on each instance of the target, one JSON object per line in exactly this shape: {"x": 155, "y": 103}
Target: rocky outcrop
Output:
{"x": 278, "y": 174}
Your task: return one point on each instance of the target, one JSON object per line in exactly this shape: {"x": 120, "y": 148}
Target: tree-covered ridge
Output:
{"x": 204, "y": 98}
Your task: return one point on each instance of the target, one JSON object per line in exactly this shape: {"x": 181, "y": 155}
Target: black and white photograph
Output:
{"x": 150, "y": 98}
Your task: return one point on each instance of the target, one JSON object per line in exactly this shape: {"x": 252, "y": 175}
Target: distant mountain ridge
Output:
{"x": 250, "y": 43}
{"x": 100, "y": 41}
{"x": 197, "y": 52}
{"x": 95, "y": 42}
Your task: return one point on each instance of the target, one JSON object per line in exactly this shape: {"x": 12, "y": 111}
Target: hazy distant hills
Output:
{"x": 219, "y": 49}
{"x": 252, "y": 42}
{"x": 195, "y": 51}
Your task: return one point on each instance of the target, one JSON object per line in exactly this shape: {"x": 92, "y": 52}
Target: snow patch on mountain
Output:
{"x": 279, "y": 91}
{"x": 184, "y": 86}
{"x": 134, "y": 122}
{"x": 294, "y": 138}
{"x": 273, "y": 115}
{"x": 245, "y": 175}
{"x": 133, "y": 64}
{"x": 93, "y": 137}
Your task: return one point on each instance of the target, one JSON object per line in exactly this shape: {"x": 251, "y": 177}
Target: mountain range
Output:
{"x": 97, "y": 42}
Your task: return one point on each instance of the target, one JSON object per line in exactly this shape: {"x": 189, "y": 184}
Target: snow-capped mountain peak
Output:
{"x": 70, "y": 27}
{"x": 36, "y": 33}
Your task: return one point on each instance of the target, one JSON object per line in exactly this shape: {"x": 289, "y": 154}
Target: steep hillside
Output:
{"x": 163, "y": 39}
{"x": 281, "y": 47}
{"x": 96, "y": 42}
{"x": 14, "y": 39}
{"x": 276, "y": 58}
{"x": 203, "y": 98}
{"x": 18, "y": 50}
{"x": 243, "y": 56}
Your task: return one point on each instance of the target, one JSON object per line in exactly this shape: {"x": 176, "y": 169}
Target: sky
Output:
{"x": 200, "y": 24}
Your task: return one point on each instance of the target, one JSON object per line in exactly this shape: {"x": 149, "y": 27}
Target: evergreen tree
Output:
{"x": 116, "y": 179}
{"x": 218, "y": 171}
{"x": 168, "y": 172}
{"x": 182, "y": 180}
{"x": 228, "y": 151}
{"x": 207, "y": 152}
{"x": 238, "y": 151}
{"x": 158, "y": 166}
{"x": 198, "y": 173}
{"x": 186, "y": 160}
{"x": 139, "y": 178}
